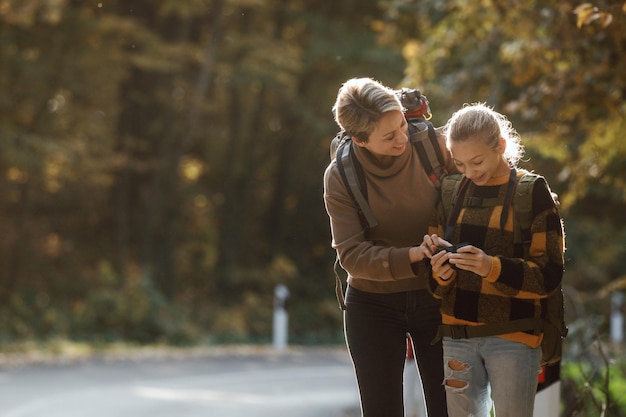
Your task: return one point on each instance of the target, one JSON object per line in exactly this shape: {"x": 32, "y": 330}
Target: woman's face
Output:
{"x": 478, "y": 161}
{"x": 389, "y": 137}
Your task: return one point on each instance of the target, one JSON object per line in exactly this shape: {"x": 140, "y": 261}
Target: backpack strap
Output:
{"x": 352, "y": 175}
{"x": 449, "y": 189}
{"x": 455, "y": 208}
{"x": 423, "y": 136}
{"x": 481, "y": 202}
{"x": 491, "y": 329}
{"x": 522, "y": 206}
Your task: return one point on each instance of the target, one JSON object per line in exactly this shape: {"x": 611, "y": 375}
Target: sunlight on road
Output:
{"x": 285, "y": 387}
{"x": 199, "y": 396}
{"x": 303, "y": 384}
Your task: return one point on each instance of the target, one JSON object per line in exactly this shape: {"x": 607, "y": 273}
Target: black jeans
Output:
{"x": 376, "y": 326}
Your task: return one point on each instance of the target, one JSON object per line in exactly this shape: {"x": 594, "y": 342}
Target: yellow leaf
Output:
{"x": 591, "y": 18}
{"x": 583, "y": 12}
{"x": 606, "y": 19}
{"x": 377, "y": 25}
{"x": 583, "y": 6}
{"x": 411, "y": 49}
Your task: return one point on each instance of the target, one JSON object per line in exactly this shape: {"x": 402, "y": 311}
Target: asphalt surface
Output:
{"x": 230, "y": 383}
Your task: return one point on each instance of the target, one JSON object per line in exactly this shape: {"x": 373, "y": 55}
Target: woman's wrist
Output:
{"x": 416, "y": 254}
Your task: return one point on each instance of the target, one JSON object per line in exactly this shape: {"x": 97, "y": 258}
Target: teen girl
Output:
{"x": 490, "y": 282}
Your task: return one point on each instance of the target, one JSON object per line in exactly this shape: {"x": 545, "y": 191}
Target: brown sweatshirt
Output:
{"x": 402, "y": 198}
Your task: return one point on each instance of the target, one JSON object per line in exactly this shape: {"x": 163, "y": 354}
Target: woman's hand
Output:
{"x": 434, "y": 242}
{"x": 429, "y": 245}
{"x": 419, "y": 253}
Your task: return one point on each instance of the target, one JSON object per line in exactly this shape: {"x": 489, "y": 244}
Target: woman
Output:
{"x": 386, "y": 296}
{"x": 492, "y": 282}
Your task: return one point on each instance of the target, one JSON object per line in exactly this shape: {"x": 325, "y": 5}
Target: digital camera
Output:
{"x": 452, "y": 249}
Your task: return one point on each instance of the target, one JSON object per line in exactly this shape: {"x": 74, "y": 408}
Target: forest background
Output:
{"x": 161, "y": 161}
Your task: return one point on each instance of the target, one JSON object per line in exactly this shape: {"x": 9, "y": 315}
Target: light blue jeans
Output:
{"x": 490, "y": 371}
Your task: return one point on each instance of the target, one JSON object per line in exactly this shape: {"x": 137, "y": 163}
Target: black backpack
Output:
{"x": 422, "y": 135}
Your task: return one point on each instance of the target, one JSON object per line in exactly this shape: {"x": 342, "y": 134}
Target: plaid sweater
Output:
{"x": 515, "y": 286}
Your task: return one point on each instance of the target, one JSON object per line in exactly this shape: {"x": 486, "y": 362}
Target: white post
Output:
{"x": 617, "y": 317}
{"x": 281, "y": 319}
{"x": 414, "y": 405}
{"x": 548, "y": 397}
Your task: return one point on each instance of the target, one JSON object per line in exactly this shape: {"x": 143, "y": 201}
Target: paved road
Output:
{"x": 295, "y": 383}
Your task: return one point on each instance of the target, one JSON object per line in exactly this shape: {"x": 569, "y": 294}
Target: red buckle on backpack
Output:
{"x": 423, "y": 111}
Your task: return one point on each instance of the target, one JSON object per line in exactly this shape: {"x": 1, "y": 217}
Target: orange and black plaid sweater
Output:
{"x": 515, "y": 286}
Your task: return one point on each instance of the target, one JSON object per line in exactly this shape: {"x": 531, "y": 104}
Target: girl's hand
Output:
{"x": 470, "y": 258}
{"x": 439, "y": 261}
{"x": 441, "y": 265}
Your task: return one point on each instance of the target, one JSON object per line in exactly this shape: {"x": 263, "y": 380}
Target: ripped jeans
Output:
{"x": 490, "y": 371}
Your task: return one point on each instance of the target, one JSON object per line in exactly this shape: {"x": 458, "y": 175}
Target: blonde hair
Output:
{"x": 360, "y": 104}
{"x": 479, "y": 120}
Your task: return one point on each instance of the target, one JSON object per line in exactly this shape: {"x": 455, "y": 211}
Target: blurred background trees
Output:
{"x": 161, "y": 162}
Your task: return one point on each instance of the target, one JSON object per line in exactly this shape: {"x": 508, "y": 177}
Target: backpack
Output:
{"x": 552, "y": 324}
{"x": 422, "y": 135}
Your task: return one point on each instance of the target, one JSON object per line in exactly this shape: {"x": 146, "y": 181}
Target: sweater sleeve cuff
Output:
{"x": 444, "y": 282}
{"x": 496, "y": 269}
{"x": 415, "y": 266}
{"x": 400, "y": 266}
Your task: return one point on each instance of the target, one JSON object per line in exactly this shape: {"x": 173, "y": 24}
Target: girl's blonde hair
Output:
{"x": 479, "y": 120}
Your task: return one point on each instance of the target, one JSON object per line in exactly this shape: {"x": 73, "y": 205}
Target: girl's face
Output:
{"x": 389, "y": 137}
{"x": 478, "y": 161}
